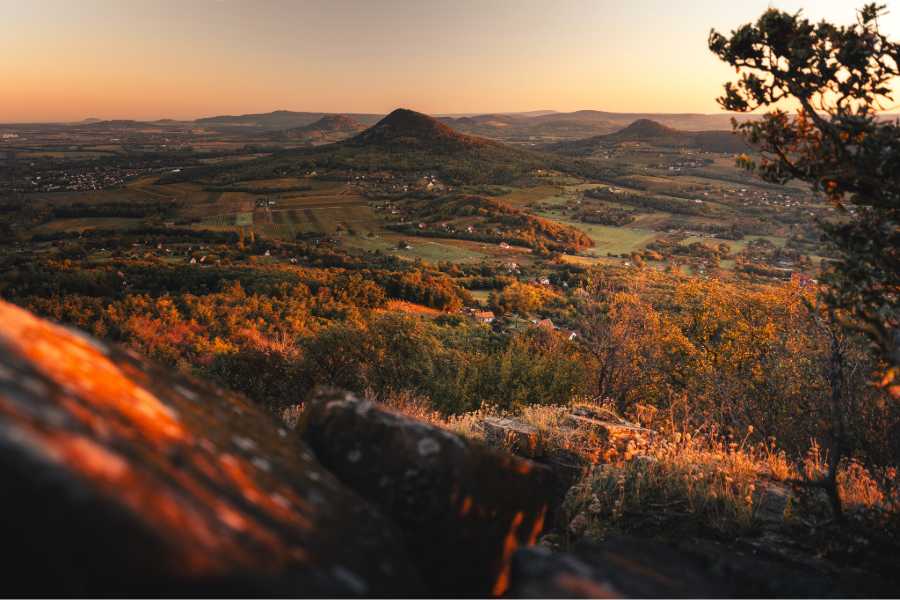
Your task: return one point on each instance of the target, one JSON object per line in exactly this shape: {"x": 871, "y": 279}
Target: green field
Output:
{"x": 433, "y": 252}
{"x": 529, "y": 195}
{"x": 735, "y": 245}
{"x": 85, "y": 223}
{"x": 238, "y": 219}
{"x": 616, "y": 240}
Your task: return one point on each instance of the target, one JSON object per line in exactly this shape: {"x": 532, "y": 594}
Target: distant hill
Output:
{"x": 281, "y": 119}
{"x": 683, "y": 121}
{"x": 88, "y": 121}
{"x": 502, "y": 119}
{"x": 117, "y": 125}
{"x": 329, "y": 124}
{"x": 404, "y": 141}
{"x": 645, "y": 130}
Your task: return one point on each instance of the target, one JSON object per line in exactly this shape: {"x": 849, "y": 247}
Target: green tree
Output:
{"x": 836, "y": 143}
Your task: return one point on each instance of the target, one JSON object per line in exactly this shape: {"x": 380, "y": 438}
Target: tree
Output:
{"x": 836, "y": 143}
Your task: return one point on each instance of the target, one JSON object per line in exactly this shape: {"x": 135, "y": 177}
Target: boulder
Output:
{"x": 640, "y": 568}
{"x": 123, "y": 478}
{"x": 463, "y": 506}
{"x": 512, "y": 436}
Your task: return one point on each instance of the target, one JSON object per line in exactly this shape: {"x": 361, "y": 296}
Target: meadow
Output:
{"x": 529, "y": 195}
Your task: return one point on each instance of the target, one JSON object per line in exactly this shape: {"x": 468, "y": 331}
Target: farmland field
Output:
{"x": 199, "y": 211}
{"x": 239, "y": 219}
{"x": 317, "y": 201}
{"x": 85, "y": 223}
{"x": 736, "y": 246}
{"x": 529, "y": 195}
{"x": 615, "y": 240}
{"x": 433, "y": 252}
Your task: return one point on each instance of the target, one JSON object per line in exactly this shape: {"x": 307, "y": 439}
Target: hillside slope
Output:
{"x": 404, "y": 141}
{"x": 329, "y": 124}
{"x": 280, "y": 119}
{"x": 645, "y": 130}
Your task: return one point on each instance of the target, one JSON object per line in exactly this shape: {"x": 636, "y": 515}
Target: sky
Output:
{"x": 68, "y": 60}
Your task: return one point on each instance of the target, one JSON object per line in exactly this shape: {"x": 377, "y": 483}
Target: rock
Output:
{"x": 513, "y": 436}
{"x": 639, "y": 568}
{"x": 122, "y": 478}
{"x": 463, "y": 506}
{"x": 613, "y": 431}
{"x": 566, "y": 470}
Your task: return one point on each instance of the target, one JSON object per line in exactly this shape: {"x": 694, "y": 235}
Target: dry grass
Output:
{"x": 699, "y": 484}
{"x": 403, "y": 306}
{"x": 696, "y": 483}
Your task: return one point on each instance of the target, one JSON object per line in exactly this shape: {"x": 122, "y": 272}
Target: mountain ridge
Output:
{"x": 402, "y": 142}
{"x": 646, "y": 130}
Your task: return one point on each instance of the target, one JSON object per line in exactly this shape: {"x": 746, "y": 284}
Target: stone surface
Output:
{"x": 513, "y": 436}
{"x": 121, "y": 478}
{"x": 464, "y": 507}
{"x": 612, "y": 430}
{"x": 638, "y": 568}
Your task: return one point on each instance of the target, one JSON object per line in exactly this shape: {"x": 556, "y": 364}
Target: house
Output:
{"x": 504, "y": 245}
{"x": 422, "y": 225}
{"x": 193, "y": 261}
{"x": 484, "y": 317}
{"x": 802, "y": 280}
{"x": 267, "y": 253}
{"x": 543, "y": 281}
{"x": 543, "y": 323}
{"x": 169, "y": 224}
{"x": 470, "y": 229}
{"x": 568, "y": 333}
{"x": 202, "y": 258}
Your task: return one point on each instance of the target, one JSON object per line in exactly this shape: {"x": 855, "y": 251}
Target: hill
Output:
{"x": 280, "y": 119}
{"x": 682, "y": 121}
{"x": 645, "y": 130}
{"x": 404, "y": 141}
{"x": 117, "y": 125}
{"x": 329, "y": 124}
{"x": 335, "y": 123}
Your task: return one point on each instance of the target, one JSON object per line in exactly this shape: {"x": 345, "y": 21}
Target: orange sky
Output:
{"x": 185, "y": 59}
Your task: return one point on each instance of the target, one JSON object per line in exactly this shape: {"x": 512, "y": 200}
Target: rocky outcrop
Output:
{"x": 639, "y": 568}
{"x": 464, "y": 507}
{"x": 513, "y": 436}
{"x": 121, "y": 478}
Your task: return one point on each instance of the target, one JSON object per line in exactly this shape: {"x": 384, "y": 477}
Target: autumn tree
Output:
{"x": 837, "y": 143}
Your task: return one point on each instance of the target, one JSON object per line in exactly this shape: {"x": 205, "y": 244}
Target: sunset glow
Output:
{"x": 197, "y": 58}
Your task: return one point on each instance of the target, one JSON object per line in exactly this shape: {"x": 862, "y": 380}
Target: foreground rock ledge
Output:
{"x": 463, "y": 506}
{"x": 121, "y": 478}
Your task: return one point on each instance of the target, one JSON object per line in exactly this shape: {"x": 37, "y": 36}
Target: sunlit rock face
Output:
{"x": 119, "y": 477}
{"x": 463, "y": 507}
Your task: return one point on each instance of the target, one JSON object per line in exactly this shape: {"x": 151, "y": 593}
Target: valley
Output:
{"x": 645, "y": 196}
